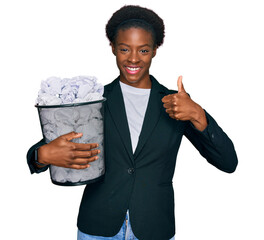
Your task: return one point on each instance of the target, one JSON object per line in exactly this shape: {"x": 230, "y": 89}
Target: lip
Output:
{"x": 132, "y": 69}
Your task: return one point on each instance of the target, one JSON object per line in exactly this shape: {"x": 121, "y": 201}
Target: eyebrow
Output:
{"x": 144, "y": 45}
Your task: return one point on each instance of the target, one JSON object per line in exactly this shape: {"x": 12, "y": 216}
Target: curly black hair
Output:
{"x": 136, "y": 16}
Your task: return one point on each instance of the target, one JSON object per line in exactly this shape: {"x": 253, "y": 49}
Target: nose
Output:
{"x": 133, "y": 57}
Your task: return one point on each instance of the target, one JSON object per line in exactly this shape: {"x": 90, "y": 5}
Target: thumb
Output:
{"x": 71, "y": 135}
{"x": 180, "y": 85}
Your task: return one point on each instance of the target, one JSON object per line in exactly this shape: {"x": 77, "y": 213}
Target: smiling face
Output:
{"x": 134, "y": 50}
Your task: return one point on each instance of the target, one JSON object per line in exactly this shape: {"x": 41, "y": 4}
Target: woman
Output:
{"x": 144, "y": 125}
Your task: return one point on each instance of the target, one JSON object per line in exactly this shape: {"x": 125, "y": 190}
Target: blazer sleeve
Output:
{"x": 214, "y": 145}
{"x": 31, "y": 158}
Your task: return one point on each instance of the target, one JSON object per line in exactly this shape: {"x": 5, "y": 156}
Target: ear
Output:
{"x": 154, "y": 51}
{"x": 113, "y": 48}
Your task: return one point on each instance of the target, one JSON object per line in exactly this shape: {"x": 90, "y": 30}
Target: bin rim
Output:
{"x": 70, "y": 104}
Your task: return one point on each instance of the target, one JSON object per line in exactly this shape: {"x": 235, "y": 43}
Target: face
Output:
{"x": 134, "y": 50}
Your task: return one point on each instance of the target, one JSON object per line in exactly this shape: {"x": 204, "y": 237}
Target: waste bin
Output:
{"x": 86, "y": 118}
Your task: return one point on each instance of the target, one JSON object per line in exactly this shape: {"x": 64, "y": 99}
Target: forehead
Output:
{"x": 134, "y": 36}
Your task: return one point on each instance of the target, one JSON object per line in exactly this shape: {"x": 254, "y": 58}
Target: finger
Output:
{"x": 167, "y": 98}
{"x": 84, "y": 161}
{"x": 86, "y": 154}
{"x": 169, "y": 111}
{"x": 167, "y": 105}
{"x": 76, "y": 166}
{"x": 180, "y": 85}
{"x": 173, "y": 110}
{"x": 84, "y": 146}
{"x": 172, "y": 116}
{"x": 71, "y": 135}
{"x": 175, "y": 116}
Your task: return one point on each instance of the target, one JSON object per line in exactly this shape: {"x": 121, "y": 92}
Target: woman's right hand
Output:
{"x": 62, "y": 152}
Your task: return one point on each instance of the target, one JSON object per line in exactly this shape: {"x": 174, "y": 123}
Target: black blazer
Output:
{"x": 142, "y": 182}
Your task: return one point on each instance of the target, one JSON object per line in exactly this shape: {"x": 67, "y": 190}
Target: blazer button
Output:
{"x": 130, "y": 170}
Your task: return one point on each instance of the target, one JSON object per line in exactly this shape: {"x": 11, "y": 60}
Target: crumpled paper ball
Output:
{"x": 57, "y": 91}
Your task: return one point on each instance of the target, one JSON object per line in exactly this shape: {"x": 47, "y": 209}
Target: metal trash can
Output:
{"x": 87, "y": 118}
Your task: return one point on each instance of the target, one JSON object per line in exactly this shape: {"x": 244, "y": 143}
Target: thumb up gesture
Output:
{"x": 180, "y": 106}
{"x": 180, "y": 85}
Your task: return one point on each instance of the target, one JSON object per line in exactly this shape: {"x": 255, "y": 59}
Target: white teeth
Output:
{"x": 132, "y": 69}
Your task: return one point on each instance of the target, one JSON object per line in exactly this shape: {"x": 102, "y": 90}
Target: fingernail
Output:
{"x": 98, "y": 151}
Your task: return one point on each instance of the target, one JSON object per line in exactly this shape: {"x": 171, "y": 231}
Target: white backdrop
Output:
{"x": 218, "y": 48}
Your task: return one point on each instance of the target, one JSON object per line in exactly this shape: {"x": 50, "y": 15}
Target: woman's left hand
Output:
{"x": 180, "y": 106}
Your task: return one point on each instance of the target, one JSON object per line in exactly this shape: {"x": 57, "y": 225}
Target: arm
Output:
{"x": 214, "y": 145}
{"x": 202, "y": 130}
{"x": 33, "y": 167}
{"x": 62, "y": 152}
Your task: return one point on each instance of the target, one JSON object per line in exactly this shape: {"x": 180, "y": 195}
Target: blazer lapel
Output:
{"x": 152, "y": 114}
{"x": 116, "y": 106}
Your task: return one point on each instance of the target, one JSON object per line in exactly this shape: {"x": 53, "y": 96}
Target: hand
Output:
{"x": 62, "y": 152}
{"x": 180, "y": 106}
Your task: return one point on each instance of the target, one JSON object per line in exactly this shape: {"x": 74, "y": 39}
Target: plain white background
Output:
{"x": 218, "y": 48}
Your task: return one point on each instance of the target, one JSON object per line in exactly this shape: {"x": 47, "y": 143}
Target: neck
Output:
{"x": 138, "y": 84}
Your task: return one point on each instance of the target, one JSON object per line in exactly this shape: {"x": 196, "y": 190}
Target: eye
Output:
{"x": 144, "y": 51}
{"x": 124, "y": 50}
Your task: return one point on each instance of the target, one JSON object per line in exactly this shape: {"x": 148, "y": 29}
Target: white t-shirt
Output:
{"x": 136, "y": 102}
